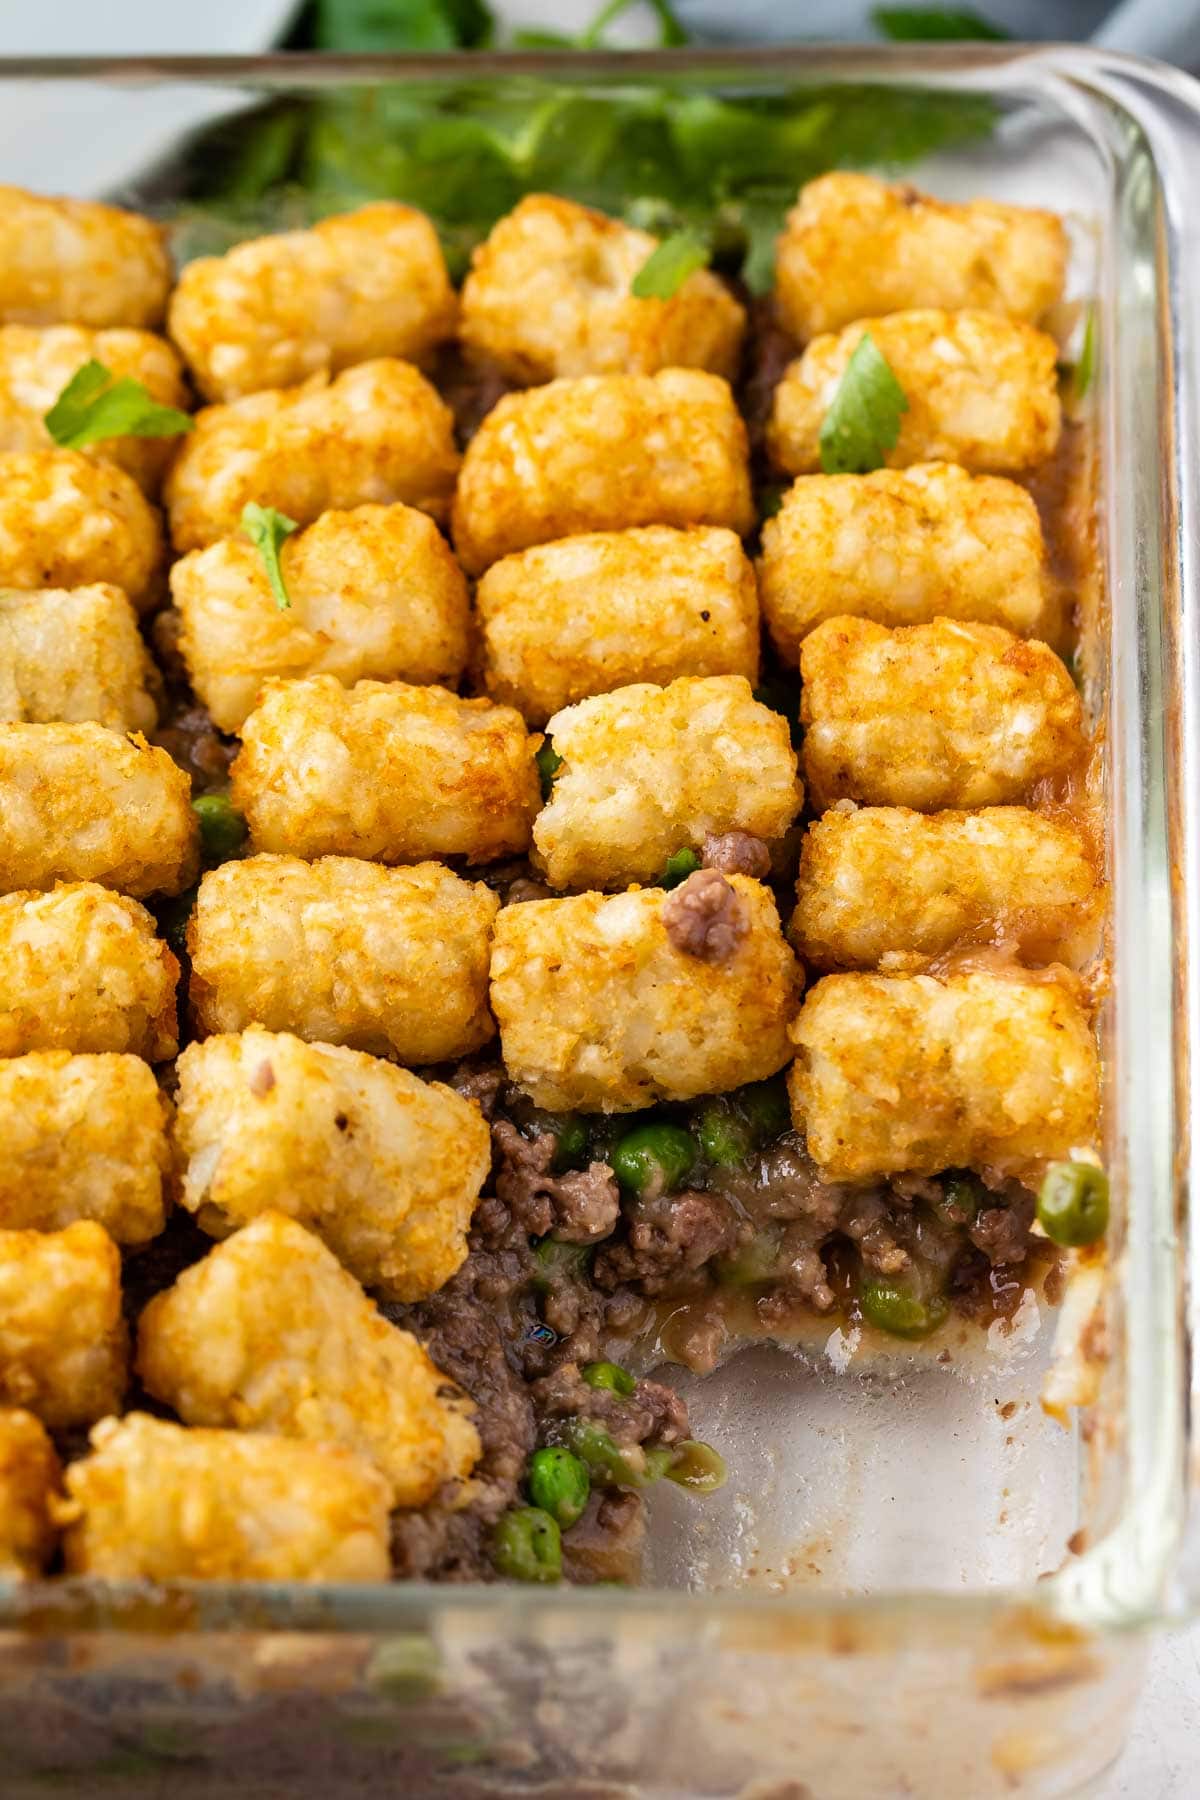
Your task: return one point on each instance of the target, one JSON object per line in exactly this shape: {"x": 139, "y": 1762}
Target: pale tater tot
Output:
{"x": 81, "y": 969}
{"x": 903, "y": 547}
{"x": 384, "y": 771}
{"x": 275, "y": 310}
{"x": 269, "y": 1333}
{"x": 384, "y": 1167}
{"x": 854, "y": 245}
{"x": 588, "y": 614}
{"x": 154, "y": 1501}
{"x": 931, "y": 716}
{"x": 602, "y": 453}
{"x": 85, "y": 1137}
{"x": 67, "y": 521}
{"x": 882, "y": 881}
{"x": 373, "y": 593}
{"x": 82, "y": 803}
{"x": 73, "y": 655}
{"x": 981, "y": 391}
{"x": 549, "y": 294}
{"x": 30, "y": 1489}
{"x": 647, "y": 771}
{"x": 36, "y": 363}
{"x": 601, "y": 1007}
{"x": 341, "y": 951}
{"x": 64, "y": 1348}
{"x": 912, "y": 1073}
{"x": 377, "y": 433}
{"x": 80, "y": 262}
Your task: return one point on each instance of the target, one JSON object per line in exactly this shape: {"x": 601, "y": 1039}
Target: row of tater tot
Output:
{"x": 597, "y": 1005}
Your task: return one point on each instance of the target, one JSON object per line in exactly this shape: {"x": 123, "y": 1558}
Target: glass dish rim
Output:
{"x": 1103, "y": 79}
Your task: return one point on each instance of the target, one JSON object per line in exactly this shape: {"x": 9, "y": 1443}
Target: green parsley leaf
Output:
{"x": 94, "y": 406}
{"x": 935, "y": 24}
{"x": 549, "y": 762}
{"x": 863, "y": 421}
{"x": 266, "y": 528}
{"x": 678, "y": 867}
{"x": 669, "y": 264}
{"x": 670, "y": 32}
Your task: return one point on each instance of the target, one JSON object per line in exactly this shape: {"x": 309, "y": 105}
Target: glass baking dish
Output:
{"x": 914, "y": 1582}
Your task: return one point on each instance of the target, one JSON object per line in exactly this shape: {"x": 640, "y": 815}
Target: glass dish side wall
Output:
{"x": 480, "y": 1692}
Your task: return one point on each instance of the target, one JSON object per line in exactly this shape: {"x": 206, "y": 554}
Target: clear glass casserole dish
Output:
{"x": 914, "y": 1582}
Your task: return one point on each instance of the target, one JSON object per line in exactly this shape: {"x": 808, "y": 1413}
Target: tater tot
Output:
{"x": 275, "y": 310}
{"x": 82, "y": 803}
{"x": 588, "y": 614}
{"x": 64, "y": 1348}
{"x": 647, "y": 771}
{"x": 30, "y": 1486}
{"x": 384, "y": 1167}
{"x": 340, "y": 951}
{"x": 384, "y": 771}
{"x": 373, "y": 593}
{"x": 85, "y": 1137}
{"x": 549, "y": 294}
{"x": 854, "y": 245}
{"x": 66, "y": 522}
{"x": 903, "y": 547}
{"x": 73, "y": 655}
{"x": 154, "y": 1501}
{"x": 80, "y": 262}
{"x": 81, "y": 969}
{"x": 911, "y": 1073}
{"x": 602, "y": 453}
{"x": 37, "y": 363}
{"x": 379, "y": 432}
{"x": 269, "y": 1333}
{"x": 930, "y": 716}
{"x": 600, "y": 1009}
{"x": 884, "y": 881}
{"x": 981, "y": 391}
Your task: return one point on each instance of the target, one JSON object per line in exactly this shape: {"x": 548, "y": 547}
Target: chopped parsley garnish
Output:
{"x": 266, "y": 528}
{"x": 549, "y": 762}
{"x": 669, "y": 264}
{"x": 863, "y": 421}
{"x": 96, "y": 405}
{"x": 678, "y": 867}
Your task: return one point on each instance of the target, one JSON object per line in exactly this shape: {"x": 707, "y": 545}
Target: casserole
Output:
{"x": 880, "y": 1601}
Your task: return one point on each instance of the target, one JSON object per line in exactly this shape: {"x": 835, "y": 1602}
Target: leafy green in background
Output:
{"x": 667, "y": 154}
{"x": 934, "y": 24}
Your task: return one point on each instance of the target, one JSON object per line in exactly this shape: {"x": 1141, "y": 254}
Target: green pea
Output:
{"x": 173, "y": 916}
{"x": 527, "y": 1545}
{"x": 724, "y": 1138}
{"x": 1072, "y": 1206}
{"x": 766, "y": 1106}
{"x": 659, "y": 1156}
{"x": 549, "y": 762}
{"x": 609, "y": 1375}
{"x": 960, "y": 1198}
{"x": 559, "y": 1483}
{"x": 405, "y": 1667}
{"x": 557, "y": 1262}
{"x": 898, "y": 1310}
{"x": 572, "y": 1141}
{"x": 222, "y": 827}
{"x": 752, "y": 1262}
{"x": 607, "y": 1463}
{"x": 697, "y": 1467}
{"x": 678, "y": 867}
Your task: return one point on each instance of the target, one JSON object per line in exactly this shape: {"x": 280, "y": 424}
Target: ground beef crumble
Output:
{"x": 736, "y": 853}
{"x": 577, "y": 1207}
{"x": 705, "y": 917}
